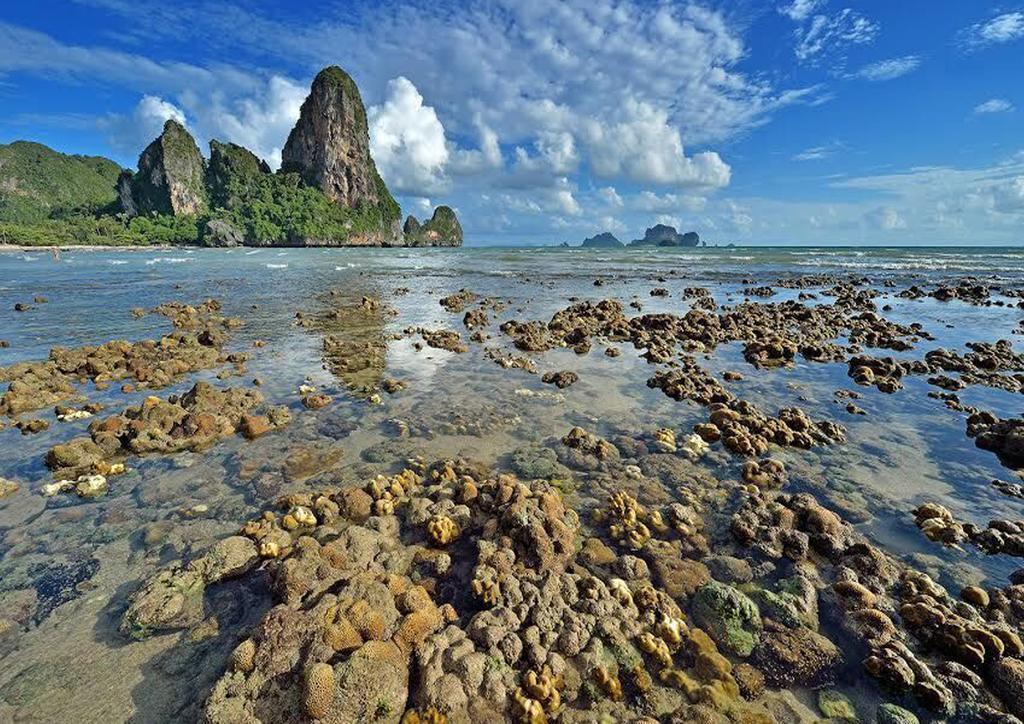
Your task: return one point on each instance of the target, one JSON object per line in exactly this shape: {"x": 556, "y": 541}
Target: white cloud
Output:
{"x": 650, "y": 201}
{"x": 610, "y": 197}
{"x": 610, "y": 223}
{"x": 556, "y": 199}
{"x": 407, "y": 140}
{"x": 644, "y": 147}
{"x": 998, "y": 29}
{"x": 817, "y": 153}
{"x": 819, "y": 32}
{"x": 260, "y": 121}
{"x": 469, "y": 161}
{"x": 1008, "y": 197}
{"x": 889, "y": 69}
{"x": 994, "y": 105}
{"x": 129, "y": 134}
{"x": 886, "y": 218}
{"x": 800, "y": 10}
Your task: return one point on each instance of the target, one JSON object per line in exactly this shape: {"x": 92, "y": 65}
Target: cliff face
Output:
{"x": 171, "y": 175}
{"x": 442, "y": 229}
{"x": 330, "y": 150}
{"x": 330, "y": 145}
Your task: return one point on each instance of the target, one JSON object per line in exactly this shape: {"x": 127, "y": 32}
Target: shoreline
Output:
{"x": 91, "y": 247}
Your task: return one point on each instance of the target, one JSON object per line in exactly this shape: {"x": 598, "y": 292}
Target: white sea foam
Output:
{"x": 168, "y": 260}
{"x": 276, "y": 266}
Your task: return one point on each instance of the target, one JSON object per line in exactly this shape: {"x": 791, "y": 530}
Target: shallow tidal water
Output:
{"x": 67, "y": 564}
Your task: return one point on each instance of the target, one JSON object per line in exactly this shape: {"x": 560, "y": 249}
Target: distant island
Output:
{"x": 327, "y": 192}
{"x": 602, "y": 241}
{"x": 657, "y": 235}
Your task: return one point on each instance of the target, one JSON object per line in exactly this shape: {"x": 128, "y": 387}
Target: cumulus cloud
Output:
{"x": 556, "y": 199}
{"x": 407, "y": 140}
{"x": 644, "y": 147}
{"x": 130, "y": 133}
{"x": 994, "y": 105}
{"x": 889, "y": 69}
{"x": 260, "y": 120}
{"x": 998, "y": 29}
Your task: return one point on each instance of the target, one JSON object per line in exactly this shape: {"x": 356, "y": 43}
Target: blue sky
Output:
{"x": 540, "y": 121}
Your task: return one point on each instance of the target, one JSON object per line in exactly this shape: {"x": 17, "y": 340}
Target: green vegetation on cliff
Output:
{"x": 279, "y": 209}
{"x": 38, "y": 183}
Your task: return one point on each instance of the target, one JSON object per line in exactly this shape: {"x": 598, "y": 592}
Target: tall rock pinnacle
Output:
{"x": 330, "y": 145}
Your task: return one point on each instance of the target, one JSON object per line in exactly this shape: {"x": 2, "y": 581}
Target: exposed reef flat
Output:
{"x": 781, "y": 497}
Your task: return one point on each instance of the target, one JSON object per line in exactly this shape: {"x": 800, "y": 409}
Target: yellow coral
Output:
{"x": 442, "y": 530}
{"x": 671, "y": 630}
{"x": 665, "y": 439}
{"x": 620, "y": 591}
{"x": 430, "y": 715}
{"x": 318, "y": 690}
{"x": 656, "y": 647}
{"x": 487, "y": 587}
{"x": 527, "y": 710}
{"x": 609, "y": 683}
{"x": 545, "y": 688}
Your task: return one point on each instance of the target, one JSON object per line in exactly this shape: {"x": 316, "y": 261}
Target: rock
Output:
{"x": 372, "y": 684}
{"x": 254, "y": 426}
{"x": 560, "y": 379}
{"x": 729, "y": 569}
{"x": 1007, "y": 681}
{"x": 171, "y": 175}
{"x": 663, "y": 235}
{"x": 220, "y": 233}
{"x": 173, "y": 599}
{"x": 729, "y": 616}
{"x": 7, "y": 487}
{"x": 329, "y": 147}
{"x": 835, "y": 705}
{"x": 796, "y": 657}
{"x": 442, "y": 229}
{"x": 606, "y": 240}
{"x": 231, "y": 173}
{"x": 411, "y": 228}
{"x": 892, "y": 714}
{"x": 536, "y": 462}
{"x": 124, "y": 194}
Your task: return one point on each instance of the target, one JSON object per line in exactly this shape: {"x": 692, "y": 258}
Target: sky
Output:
{"x": 839, "y": 122}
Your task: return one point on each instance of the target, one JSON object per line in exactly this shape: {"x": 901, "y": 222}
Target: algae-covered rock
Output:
{"x": 836, "y": 705}
{"x": 731, "y": 618}
{"x": 892, "y": 714}
{"x": 174, "y": 598}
